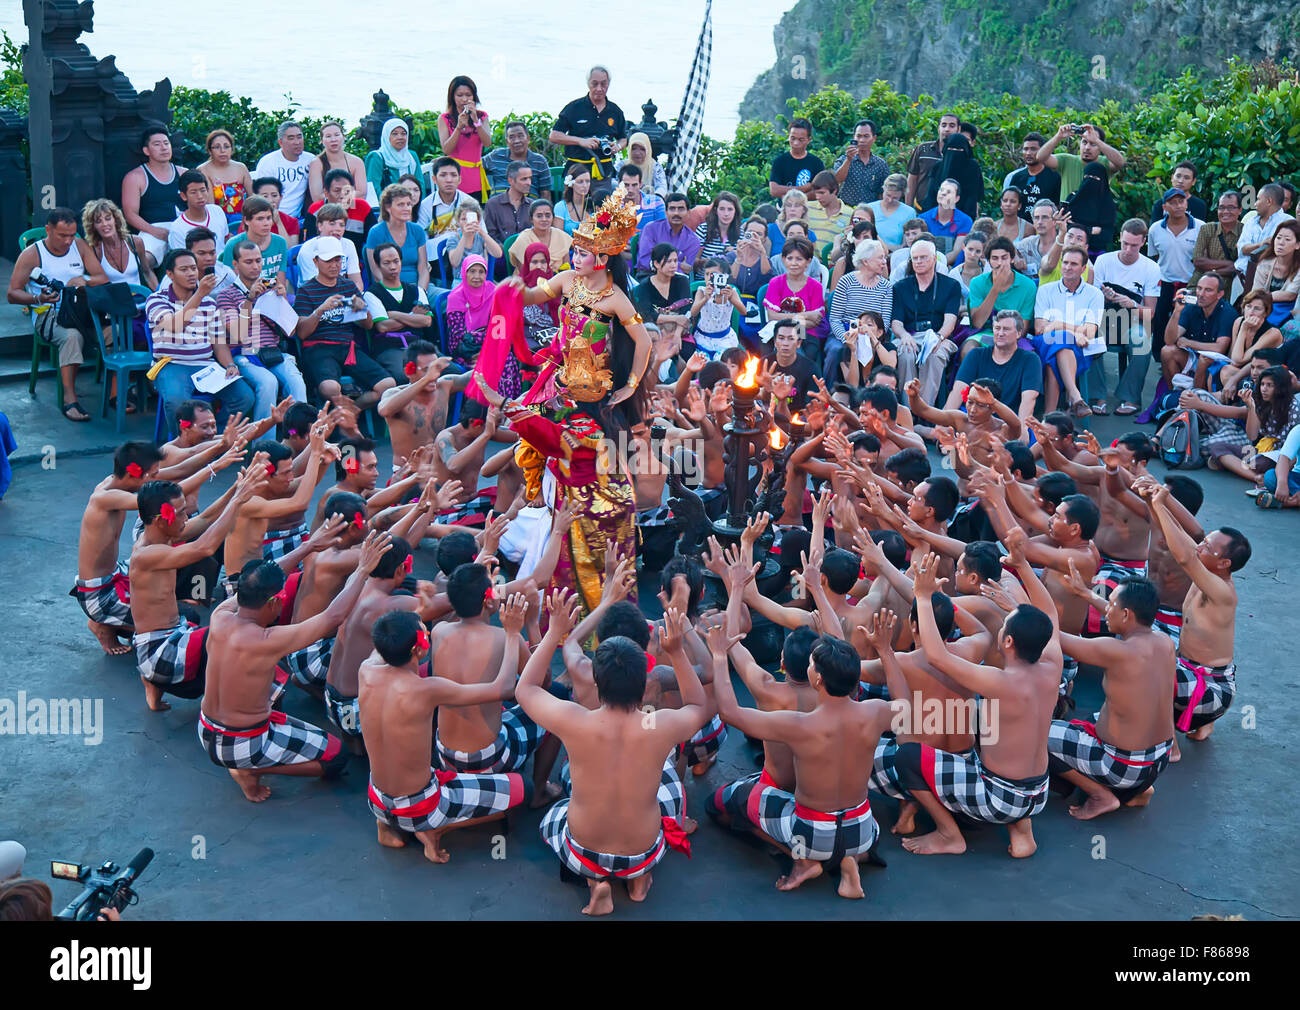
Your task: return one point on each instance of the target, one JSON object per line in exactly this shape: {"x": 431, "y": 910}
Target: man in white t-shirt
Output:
{"x": 902, "y": 256}
{"x": 290, "y": 165}
{"x": 1130, "y": 285}
{"x": 331, "y": 221}
{"x": 199, "y": 212}
{"x": 1067, "y": 318}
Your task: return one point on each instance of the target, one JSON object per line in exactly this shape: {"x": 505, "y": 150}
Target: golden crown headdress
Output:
{"x": 585, "y": 376}
{"x": 610, "y": 227}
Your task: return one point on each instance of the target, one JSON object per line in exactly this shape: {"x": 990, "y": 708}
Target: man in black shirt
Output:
{"x": 584, "y": 122}
{"x": 1203, "y": 325}
{"x": 924, "y": 302}
{"x": 785, "y": 359}
{"x": 1045, "y": 185}
{"x": 795, "y": 169}
{"x": 329, "y": 343}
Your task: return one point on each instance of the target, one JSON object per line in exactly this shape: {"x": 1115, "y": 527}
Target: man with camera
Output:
{"x": 42, "y": 276}
{"x": 1092, "y": 147}
{"x": 860, "y": 173}
{"x": 592, "y": 130}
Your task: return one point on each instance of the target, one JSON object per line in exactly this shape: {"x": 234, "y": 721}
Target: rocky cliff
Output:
{"x": 1058, "y": 52}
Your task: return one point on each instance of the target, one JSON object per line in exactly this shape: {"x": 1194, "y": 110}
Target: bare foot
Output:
{"x": 935, "y": 844}
{"x": 1095, "y": 805}
{"x": 1175, "y": 755}
{"x": 1142, "y": 799}
{"x": 153, "y": 694}
{"x": 703, "y": 766}
{"x": 906, "y": 822}
{"x": 548, "y": 793}
{"x": 251, "y": 782}
{"x": 638, "y": 889}
{"x": 388, "y": 837}
{"x": 1022, "y": 839}
{"x": 850, "y": 881}
{"x": 600, "y": 898}
{"x": 433, "y": 851}
{"x": 108, "y": 639}
{"x": 1203, "y": 733}
{"x": 804, "y": 870}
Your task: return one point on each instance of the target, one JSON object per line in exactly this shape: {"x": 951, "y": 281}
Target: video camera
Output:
{"x": 106, "y": 887}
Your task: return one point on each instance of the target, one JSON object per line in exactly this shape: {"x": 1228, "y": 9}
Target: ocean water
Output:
{"x": 331, "y": 56}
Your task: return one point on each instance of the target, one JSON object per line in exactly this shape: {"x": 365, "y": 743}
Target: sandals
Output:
{"x": 1101, "y": 408}
{"x": 74, "y": 405}
{"x": 1267, "y": 500}
{"x": 1125, "y": 409}
{"x": 1080, "y": 408}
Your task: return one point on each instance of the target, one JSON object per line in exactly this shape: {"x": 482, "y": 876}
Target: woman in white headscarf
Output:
{"x": 641, "y": 154}
{"x": 393, "y": 159}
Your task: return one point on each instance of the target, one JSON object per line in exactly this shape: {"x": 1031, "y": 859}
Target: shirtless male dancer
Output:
{"x": 1205, "y": 672}
{"x": 1117, "y": 758}
{"x": 490, "y": 737}
{"x": 828, "y": 816}
{"x": 417, "y": 412}
{"x": 237, "y": 726}
{"x": 460, "y": 452}
{"x": 278, "y": 497}
{"x": 617, "y": 823}
{"x": 352, "y": 644}
{"x": 1004, "y": 778}
{"x": 405, "y": 794}
{"x": 168, "y": 648}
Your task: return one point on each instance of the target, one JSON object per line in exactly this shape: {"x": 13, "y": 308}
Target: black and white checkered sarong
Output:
{"x": 518, "y": 738}
{"x": 279, "y": 543}
{"x": 1075, "y": 746}
{"x": 705, "y": 743}
{"x": 449, "y": 797}
{"x": 1169, "y": 621}
{"x": 813, "y": 834}
{"x": 585, "y": 862}
{"x": 311, "y": 665}
{"x": 107, "y": 599}
{"x": 281, "y": 740}
{"x": 1202, "y": 694}
{"x": 962, "y": 784}
{"x": 344, "y": 712}
{"x": 171, "y": 656}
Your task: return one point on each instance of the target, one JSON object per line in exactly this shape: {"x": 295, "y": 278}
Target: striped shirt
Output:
{"x": 850, "y": 299}
{"x": 191, "y": 346}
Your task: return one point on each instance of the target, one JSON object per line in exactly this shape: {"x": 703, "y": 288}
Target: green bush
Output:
{"x": 13, "y": 89}
{"x": 196, "y": 112}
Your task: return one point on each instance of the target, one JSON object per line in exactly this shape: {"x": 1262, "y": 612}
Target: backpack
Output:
{"x": 1180, "y": 441}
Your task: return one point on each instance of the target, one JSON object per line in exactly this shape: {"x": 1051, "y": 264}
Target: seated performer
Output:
{"x": 618, "y": 822}
{"x": 169, "y": 649}
{"x": 1004, "y": 780}
{"x": 487, "y": 737}
{"x": 102, "y": 588}
{"x": 417, "y": 411}
{"x": 1117, "y": 759}
{"x": 280, "y": 494}
{"x": 1205, "y": 671}
{"x": 828, "y": 815}
{"x": 1171, "y": 582}
{"x": 237, "y": 726}
{"x": 383, "y": 591}
{"x": 401, "y": 706}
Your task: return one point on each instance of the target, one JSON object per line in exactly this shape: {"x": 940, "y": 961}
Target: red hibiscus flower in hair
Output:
{"x": 134, "y": 470}
{"x": 167, "y": 513}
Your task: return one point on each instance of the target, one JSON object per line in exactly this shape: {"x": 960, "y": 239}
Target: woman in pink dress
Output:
{"x": 463, "y": 131}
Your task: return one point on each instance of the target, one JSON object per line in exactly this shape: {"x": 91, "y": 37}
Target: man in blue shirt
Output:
{"x": 946, "y": 223}
{"x": 1019, "y": 372}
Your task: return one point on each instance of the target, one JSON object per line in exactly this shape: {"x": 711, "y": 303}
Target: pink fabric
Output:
{"x": 476, "y": 303}
{"x": 532, "y": 277}
{"x": 505, "y": 333}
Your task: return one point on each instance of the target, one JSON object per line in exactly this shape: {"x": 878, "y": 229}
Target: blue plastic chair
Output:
{"x": 122, "y": 361}
{"x": 440, "y": 317}
{"x": 762, "y": 304}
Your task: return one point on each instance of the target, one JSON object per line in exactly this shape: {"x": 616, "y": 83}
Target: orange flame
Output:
{"x": 796, "y": 419}
{"x": 775, "y": 440}
{"x": 748, "y": 379}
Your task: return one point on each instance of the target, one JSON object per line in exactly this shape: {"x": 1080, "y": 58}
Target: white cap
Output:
{"x": 12, "y": 856}
{"x": 328, "y": 247}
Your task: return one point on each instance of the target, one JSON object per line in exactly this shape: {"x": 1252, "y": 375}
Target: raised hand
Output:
{"x": 373, "y": 548}
{"x": 997, "y": 593}
{"x": 620, "y": 583}
{"x": 719, "y": 641}
{"x": 926, "y": 581}
{"x": 447, "y": 495}
{"x": 879, "y": 630}
{"x": 715, "y": 560}
{"x": 496, "y": 529}
{"x": 754, "y": 528}
{"x": 327, "y": 533}
{"x": 563, "y": 608}
{"x": 1014, "y": 542}
{"x": 1078, "y": 585}
{"x": 676, "y": 626}
{"x": 514, "y": 613}
{"x": 280, "y": 409}
{"x": 696, "y": 362}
